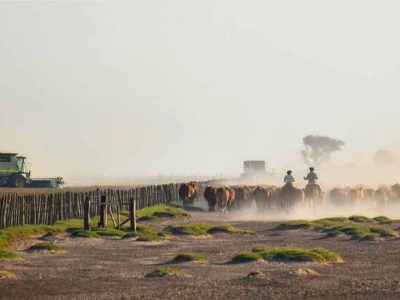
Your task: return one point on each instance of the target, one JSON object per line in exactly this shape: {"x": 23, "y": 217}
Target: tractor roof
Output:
{"x": 8, "y": 154}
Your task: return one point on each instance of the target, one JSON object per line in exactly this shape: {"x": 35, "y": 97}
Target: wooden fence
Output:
{"x": 47, "y": 207}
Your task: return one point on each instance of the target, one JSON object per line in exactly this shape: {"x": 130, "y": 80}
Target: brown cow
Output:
{"x": 384, "y": 196}
{"x": 355, "y": 195}
{"x": 396, "y": 190}
{"x": 188, "y": 193}
{"x": 242, "y": 196}
{"x": 369, "y": 193}
{"x": 263, "y": 197}
{"x": 225, "y": 197}
{"x": 210, "y": 194}
{"x": 338, "y": 196}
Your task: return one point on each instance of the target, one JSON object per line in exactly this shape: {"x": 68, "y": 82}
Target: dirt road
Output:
{"x": 113, "y": 268}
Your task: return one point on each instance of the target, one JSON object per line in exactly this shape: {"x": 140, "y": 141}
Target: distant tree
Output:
{"x": 318, "y": 149}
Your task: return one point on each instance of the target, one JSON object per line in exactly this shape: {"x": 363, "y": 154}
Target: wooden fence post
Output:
{"x": 132, "y": 213}
{"x": 86, "y": 214}
{"x": 103, "y": 211}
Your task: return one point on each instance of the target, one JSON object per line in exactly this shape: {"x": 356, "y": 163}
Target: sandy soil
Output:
{"x": 113, "y": 268}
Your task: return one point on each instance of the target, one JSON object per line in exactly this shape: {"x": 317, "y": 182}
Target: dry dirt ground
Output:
{"x": 113, "y": 268}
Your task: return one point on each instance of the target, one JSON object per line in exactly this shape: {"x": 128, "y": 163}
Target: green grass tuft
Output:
{"x": 335, "y": 219}
{"x": 7, "y": 255}
{"x": 144, "y": 234}
{"x": 246, "y": 257}
{"x": 4, "y": 274}
{"x": 361, "y": 219}
{"x": 370, "y": 237}
{"x": 199, "y": 229}
{"x": 383, "y": 220}
{"x": 189, "y": 256}
{"x": 296, "y": 254}
{"x": 167, "y": 271}
{"x": 159, "y": 211}
{"x": 228, "y": 229}
{"x": 296, "y": 224}
{"x": 110, "y": 232}
{"x": 84, "y": 234}
{"x": 196, "y": 229}
{"x": 45, "y": 246}
{"x": 357, "y": 227}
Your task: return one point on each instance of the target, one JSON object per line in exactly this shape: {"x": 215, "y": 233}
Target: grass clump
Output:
{"x": 296, "y": 224}
{"x": 383, "y": 220}
{"x": 159, "y": 211}
{"x": 85, "y": 234}
{"x": 45, "y": 246}
{"x": 188, "y": 257}
{"x": 296, "y": 254}
{"x": 228, "y": 229}
{"x": 199, "y": 229}
{"x": 144, "y": 234}
{"x": 4, "y": 274}
{"x": 356, "y": 227}
{"x": 383, "y": 232}
{"x": 246, "y": 257}
{"x": 7, "y": 255}
{"x": 361, "y": 219}
{"x": 110, "y": 232}
{"x": 335, "y": 219}
{"x": 196, "y": 229}
{"x": 167, "y": 271}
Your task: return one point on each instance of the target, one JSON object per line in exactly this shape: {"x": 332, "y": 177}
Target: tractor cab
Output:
{"x": 13, "y": 170}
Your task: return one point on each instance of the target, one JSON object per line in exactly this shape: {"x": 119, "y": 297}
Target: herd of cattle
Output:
{"x": 285, "y": 198}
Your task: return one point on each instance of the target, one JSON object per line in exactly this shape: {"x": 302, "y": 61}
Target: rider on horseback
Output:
{"x": 288, "y": 180}
{"x": 311, "y": 177}
{"x": 312, "y": 182}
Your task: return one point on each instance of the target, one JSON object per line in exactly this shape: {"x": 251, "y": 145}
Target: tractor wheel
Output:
{"x": 18, "y": 181}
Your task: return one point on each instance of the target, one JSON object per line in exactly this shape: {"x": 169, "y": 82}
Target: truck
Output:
{"x": 14, "y": 173}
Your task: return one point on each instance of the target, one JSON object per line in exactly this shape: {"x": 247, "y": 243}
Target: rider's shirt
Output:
{"x": 312, "y": 178}
{"x": 288, "y": 179}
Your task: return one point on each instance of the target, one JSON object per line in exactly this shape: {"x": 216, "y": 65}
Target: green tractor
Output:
{"x": 14, "y": 173}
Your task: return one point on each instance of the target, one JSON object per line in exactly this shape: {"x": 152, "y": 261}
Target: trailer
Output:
{"x": 14, "y": 173}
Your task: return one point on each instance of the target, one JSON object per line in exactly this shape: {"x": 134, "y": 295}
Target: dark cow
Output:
{"x": 242, "y": 196}
{"x": 210, "y": 194}
{"x": 263, "y": 197}
{"x": 288, "y": 197}
{"x": 313, "y": 195}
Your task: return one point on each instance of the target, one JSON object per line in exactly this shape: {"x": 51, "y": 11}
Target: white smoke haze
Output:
{"x": 190, "y": 89}
{"x": 369, "y": 208}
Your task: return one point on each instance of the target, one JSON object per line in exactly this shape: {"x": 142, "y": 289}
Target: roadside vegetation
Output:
{"x": 356, "y": 227}
{"x": 159, "y": 211}
{"x": 144, "y": 234}
{"x": 287, "y": 254}
{"x": 45, "y": 246}
{"x": 189, "y": 257}
{"x": 4, "y": 274}
{"x": 74, "y": 227}
{"x": 201, "y": 229}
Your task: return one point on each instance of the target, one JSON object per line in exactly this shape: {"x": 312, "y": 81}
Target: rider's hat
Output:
{"x": 312, "y": 169}
{"x": 290, "y": 171}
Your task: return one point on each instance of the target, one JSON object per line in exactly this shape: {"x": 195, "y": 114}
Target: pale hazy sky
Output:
{"x": 195, "y": 87}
